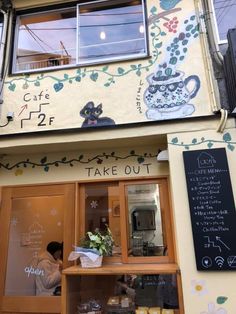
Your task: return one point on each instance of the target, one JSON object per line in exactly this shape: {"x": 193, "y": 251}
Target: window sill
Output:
{"x": 77, "y": 66}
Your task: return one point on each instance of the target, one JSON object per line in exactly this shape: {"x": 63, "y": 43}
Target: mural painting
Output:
{"x": 91, "y": 115}
{"x": 168, "y": 92}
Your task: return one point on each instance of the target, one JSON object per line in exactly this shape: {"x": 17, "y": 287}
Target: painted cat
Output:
{"x": 91, "y": 115}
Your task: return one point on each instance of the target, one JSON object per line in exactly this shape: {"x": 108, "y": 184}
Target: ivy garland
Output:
{"x": 99, "y": 159}
{"x": 210, "y": 143}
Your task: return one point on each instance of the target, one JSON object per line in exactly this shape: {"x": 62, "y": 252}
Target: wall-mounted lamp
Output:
{"x": 10, "y": 117}
{"x": 163, "y": 155}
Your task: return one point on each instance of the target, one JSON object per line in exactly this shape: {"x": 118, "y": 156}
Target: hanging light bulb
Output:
{"x": 141, "y": 29}
{"x": 103, "y": 35}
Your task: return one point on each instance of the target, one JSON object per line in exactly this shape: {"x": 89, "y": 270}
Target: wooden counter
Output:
{"x": 119, "y": 269}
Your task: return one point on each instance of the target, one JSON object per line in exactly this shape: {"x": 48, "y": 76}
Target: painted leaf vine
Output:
{"x": 226, "y": 139}
{"x": 45, "y": 164}
{"x": 109, "y": 76}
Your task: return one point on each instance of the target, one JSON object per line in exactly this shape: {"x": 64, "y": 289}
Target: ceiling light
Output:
{"x": 141, "y": 29}
{"x": 103, "y": 35}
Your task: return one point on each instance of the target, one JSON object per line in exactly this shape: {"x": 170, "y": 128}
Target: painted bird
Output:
{"x": 168, "y": 4}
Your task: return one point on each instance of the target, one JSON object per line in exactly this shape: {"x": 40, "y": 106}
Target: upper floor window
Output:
{"x": 225, "y": 11}
{"x": 92, "y": 32}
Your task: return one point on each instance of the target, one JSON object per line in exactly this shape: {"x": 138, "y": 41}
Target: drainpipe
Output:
{"x": 4, "y": 10}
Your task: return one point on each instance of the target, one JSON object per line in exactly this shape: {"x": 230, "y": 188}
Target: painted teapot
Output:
{"x": 168, "y": 97}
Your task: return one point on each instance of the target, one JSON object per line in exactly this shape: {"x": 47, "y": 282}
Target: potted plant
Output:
{"x": 97, "y": 242}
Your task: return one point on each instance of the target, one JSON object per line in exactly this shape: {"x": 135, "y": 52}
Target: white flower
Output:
{"x": 213, "y": 310}
{"x": 199, "y": 287}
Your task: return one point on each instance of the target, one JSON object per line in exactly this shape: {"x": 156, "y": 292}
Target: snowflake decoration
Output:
{"x": 53, "y": 212}
{"x": 94, "y": 204}
{"x": 14, "y": 221}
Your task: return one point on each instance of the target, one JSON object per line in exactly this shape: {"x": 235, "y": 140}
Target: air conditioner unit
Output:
{"x": 230, "y": 69}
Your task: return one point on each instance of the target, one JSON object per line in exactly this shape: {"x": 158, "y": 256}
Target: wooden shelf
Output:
{"x": 119, "y": 269}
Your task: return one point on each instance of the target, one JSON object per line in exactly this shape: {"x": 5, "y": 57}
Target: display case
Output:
{"x": 122, "y": 288}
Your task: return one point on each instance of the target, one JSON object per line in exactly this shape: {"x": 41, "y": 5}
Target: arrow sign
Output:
{"x": 23, "y": 108}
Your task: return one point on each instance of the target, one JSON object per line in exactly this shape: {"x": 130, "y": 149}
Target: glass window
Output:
{"x": 144, "y": 220}
{"x": 46, "y": 40}
{"x": 35, "y": 222}
{"x": 109, "y": 31}
{"x": 93, "y": 32}
{"x": 102, "y": 209}
{"x": 126, "y": 294}
{"x": 225, "y": 11}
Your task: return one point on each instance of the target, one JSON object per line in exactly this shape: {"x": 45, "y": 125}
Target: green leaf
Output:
{"x": 227, "y": 137}
{"x": 153, "y": 10}
{"x": 174, "y": 140}
{"x": 194, "y": 141}
{"x": 231, "y": 147}
{"x": 221, "y": 300}
{"x": 120, "y": 70}
{"x": 134, "y": 67}
{"x": 43, "y": 160}
{"x": 94, "y": 76}
{"x": 12, "y": 87}
{"x": 210, "y": 144}
{"x": 105, "y": 68}
{"x": 158, "y": 45}
{"x": 66, "y": 76}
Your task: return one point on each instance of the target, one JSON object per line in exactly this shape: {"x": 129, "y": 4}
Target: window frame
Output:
{"x": 217, "y": 33}
{"x": 78, "y": 63}
{"x": 167, "y": 220}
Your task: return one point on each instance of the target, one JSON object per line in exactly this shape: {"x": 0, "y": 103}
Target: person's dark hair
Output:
{"x": 54, "y": 246}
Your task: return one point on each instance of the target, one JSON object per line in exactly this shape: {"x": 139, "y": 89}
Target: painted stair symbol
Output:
{"x": 33, "y": 112}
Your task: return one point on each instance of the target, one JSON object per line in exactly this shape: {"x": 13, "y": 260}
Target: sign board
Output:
{"x": 212, "y": 208}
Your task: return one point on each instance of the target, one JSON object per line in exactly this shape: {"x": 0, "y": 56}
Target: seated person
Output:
{"x": 50, "y": 264}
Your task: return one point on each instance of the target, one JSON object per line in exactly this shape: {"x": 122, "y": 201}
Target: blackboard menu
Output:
{"x": 212, "y": 208}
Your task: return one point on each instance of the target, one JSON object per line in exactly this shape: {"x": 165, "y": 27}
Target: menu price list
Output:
{"x": 212, "y": 208}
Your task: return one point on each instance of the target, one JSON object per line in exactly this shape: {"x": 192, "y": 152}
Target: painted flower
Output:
{"x": 199, "y": 287}
{"x": 212, "y": 310}
{"x": 18, "y": 172}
